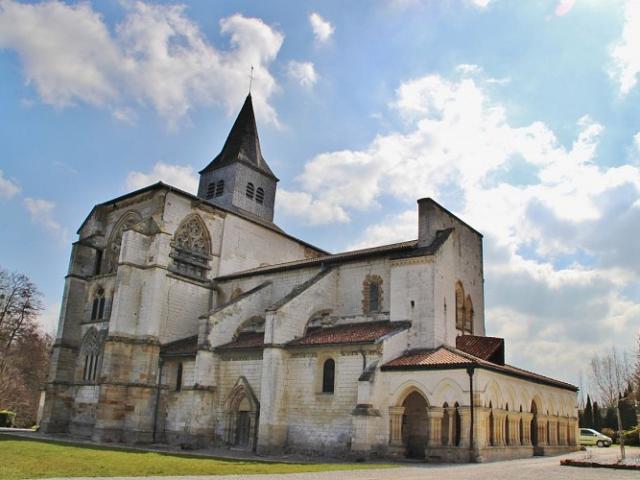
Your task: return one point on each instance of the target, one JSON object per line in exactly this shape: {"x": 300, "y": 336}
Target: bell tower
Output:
{"x": 239, "y": 177}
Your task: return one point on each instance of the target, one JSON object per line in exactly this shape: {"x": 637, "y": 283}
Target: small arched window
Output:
{"x": 251, "y": 190}
{"x": 372, "y": 294}
{"x": 211, "y": 190}
{"x": 219, "y": 188}
{"x": 260, "y": 195}
{"x": 97, "y": 308}
{"x": 179, "y": 378}
{"x": 328, "y": 376}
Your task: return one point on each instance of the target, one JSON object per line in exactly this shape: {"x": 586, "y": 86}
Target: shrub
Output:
{"x": 7, "y": 418}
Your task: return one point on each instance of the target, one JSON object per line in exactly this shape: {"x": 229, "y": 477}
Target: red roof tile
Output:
{"x": 486, "y": 348}
{"x": 440, "y": 356}
{"x": 245, "y": 340}
{"x": 366, "y": 332}
{"x": 449, "y": 357}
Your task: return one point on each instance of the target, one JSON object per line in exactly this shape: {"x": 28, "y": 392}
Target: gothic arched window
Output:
{"x": 260, "y": 195}
{"x": 251, "y": 190}
{"x": 90, "y": 355}
{"x": 328, "y": 376}
{"x": 127, "y": 221}
{"x": 191, "y": 248}
{"x": 459, "y": 306}
{"x": 468, "y": 315}
{"x": 97, "y": 307}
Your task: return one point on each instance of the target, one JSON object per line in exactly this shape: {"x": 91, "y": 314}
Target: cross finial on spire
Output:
{"x": 250, "y": 79}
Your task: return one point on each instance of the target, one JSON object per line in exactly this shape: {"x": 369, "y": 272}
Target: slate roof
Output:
{"x": 244, "y": 340}
{"x": 184, "y": 347}
{"x": 486, "y": 348}
{"x": 446, "y": 357}
{"x": 367, "y": 332}
{"x": 242, "y": 144}
{"x": 396, "y": 250}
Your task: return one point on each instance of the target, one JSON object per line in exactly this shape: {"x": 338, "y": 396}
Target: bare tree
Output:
{"x": 24, "y": 349}
{"x": 610, "y": 375}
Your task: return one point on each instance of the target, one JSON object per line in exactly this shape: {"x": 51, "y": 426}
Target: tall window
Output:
{"x": 90, "y": 353}
{"x": 98, "y": 266}
{"x": 464, "y": 310}
{"x": 260, "y": 195}
{"x": 219, "y": 188}
{"x": 328, "y": 376}
{"x": 211, "y": 190}
{"x": 372, "y": 294}
{"x": 179, "y": 378}
{"x": 97, "y": 307}
{"x": 251, "y": 190}
{"x": 191, "y": 248}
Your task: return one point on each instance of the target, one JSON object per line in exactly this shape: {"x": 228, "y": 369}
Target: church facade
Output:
{"x": 194, "y": 320}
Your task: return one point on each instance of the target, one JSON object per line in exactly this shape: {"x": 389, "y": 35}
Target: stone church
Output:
{"x": 195, "y": 320}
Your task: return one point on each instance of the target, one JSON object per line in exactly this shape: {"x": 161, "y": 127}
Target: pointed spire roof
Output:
{"x": 242, "y": 144}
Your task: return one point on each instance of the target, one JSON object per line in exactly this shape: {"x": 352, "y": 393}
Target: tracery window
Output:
{"x": 191, "y": 248}
{"x": 372, "y": 294}
{"x": 97, "y": 307}
{"x": 251, "y": 190}
{"x": 127, "y": 221}
{"x": 328, "y": 376}
{"x": 260, "y": 195}
{"x": 90, "y": 355}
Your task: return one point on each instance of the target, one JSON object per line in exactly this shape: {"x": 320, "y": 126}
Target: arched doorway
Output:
{"x": 242, "y": 412}
{"x": 243, "y": 424}
{"x": 414, "y": 425}
{"x": 457, "y": 424}
{"x": 534, "y": 424}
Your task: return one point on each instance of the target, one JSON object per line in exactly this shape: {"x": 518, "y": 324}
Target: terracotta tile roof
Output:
{"x": 486, "y": 348}
{"x": 185, "y": 347}
{"x": 439, "y": 356}
{"x": 449, "y": 357}
{"x": 245, "y": 340}
{"x": 367, "y": 332}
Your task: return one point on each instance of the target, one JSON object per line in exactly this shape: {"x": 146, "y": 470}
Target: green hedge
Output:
{"x": 7, "y": 418}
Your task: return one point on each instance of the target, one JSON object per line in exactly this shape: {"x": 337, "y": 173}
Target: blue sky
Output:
{"x": 521, "y": 117}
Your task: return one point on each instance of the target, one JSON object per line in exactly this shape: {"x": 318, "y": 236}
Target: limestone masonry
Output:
{"x": 196, "y": 321}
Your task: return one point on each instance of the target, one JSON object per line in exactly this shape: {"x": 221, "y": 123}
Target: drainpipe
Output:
{"x": 157, "y": 405}
{"x": 470, "y": 371}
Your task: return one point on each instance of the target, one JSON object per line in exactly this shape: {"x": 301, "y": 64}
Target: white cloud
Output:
{"x": 625, "y": 53}
{"x": 41, "y": 212}
{"x": 636, "y": 140}
{"x": 180, "y": 176}
{"x": 481, "y": 3}
{"x": 156, "y": 56}
{"x": 302, "y": 72}
{"x": 563, "y": 7}
{"x": 311, "y": 211}
{"x": 8, "y": 188}
{"x": 322, "y": 29}
{"x": 559, "y": 228}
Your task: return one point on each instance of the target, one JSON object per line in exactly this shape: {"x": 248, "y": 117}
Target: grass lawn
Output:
{"x": 25, "y": 458}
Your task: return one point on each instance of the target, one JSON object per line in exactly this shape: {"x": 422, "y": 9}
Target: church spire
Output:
{"x": 239, "y": 179}
{"x": 242, "y": 144}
